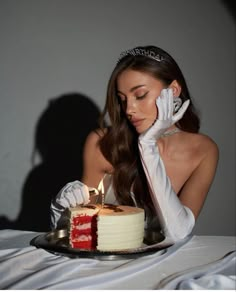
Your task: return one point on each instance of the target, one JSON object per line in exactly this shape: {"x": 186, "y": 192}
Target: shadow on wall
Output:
{"x": 231, "y": 7}
{"x": 59, "y": 139}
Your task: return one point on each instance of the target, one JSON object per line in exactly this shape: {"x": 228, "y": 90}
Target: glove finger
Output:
{"x": 181, "y": 111}
{"x": 85, "y": 194}
{"x": 78, "y": 196}
{"x": 166, "y": 106}
{"x": 75, "y": 197}
{"x": 167, "y": 100}
{"x": 77, "y": 184}
{"x": 68, "y": 194}
{"x": 177, "y": 102}
{"x": 78, "y": 190}
{"x": 71, "y": 185}
{"x": 70, "y": 200}
{"x": 160, "y": 108}
{"x": 170, "y": 103}
{"x": 67, "y": 187}
{"x": 61, "y": 193}
{"x": 164, "y": 100}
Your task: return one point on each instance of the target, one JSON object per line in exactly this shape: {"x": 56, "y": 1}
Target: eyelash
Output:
{"x": 142, "y": 96}
{"x": 137, "y": 97}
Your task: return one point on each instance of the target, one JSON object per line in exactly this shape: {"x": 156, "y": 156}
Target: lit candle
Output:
{"x": 101, "y": 191}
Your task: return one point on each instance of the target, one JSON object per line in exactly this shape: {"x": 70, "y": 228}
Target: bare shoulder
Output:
{"x": 207, "y": 146}
{"x": 93, "y": 138}
{"x": 204, "y": 155}
{"x": 95, "y": 164}
{"x": 205, "y": 152}
{"x": 92, "y": 147}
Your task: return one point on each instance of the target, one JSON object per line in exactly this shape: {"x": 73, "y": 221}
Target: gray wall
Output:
{"x": 50, "y": 47}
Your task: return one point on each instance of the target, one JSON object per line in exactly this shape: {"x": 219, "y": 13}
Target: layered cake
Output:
{"x": 106, "y": 229}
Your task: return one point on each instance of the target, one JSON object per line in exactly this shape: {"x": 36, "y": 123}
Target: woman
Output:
{"x": 152, "y": 155}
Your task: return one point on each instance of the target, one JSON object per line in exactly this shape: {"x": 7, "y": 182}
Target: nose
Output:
{"x": 130, "y": 107}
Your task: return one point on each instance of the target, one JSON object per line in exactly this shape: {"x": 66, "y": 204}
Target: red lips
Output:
{"x": 136, "y": 122}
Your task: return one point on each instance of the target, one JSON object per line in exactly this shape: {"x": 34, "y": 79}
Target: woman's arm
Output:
{"x": 176, "y": 220}
{"x": 176, "y": 214}
{"x": 77, "y": 192}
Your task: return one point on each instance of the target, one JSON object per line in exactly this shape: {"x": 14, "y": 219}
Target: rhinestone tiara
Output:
{"x": 141, "y": 52}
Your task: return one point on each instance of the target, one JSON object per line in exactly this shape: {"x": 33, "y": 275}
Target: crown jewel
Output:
{"x": 141, "y": 52}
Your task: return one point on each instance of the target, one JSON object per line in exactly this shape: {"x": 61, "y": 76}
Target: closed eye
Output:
{"x": 142, "y": 96}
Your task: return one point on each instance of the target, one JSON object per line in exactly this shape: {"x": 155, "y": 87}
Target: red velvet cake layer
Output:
{"x": 84, "y": 232}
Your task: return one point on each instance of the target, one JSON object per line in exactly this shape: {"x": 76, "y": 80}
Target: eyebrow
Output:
{"x": 133, "y": 88}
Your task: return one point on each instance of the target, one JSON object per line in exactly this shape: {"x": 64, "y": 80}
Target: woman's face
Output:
{"x": 138, "y": 92}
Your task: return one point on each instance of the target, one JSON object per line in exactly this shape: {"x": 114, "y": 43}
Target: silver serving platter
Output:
{"x": 57, "y": 242}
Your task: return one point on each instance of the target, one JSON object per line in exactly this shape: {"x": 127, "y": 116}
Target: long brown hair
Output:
{"x": 119, "y": 144}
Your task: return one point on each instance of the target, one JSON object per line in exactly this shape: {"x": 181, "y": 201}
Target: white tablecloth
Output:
{"x": 200, "y": 262}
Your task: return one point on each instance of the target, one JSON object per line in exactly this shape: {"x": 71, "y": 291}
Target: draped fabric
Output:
{"x": 23, "y": 266}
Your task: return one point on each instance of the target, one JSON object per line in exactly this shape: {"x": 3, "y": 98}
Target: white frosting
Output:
{"x": 83, "y": 211}
{"x": 84, "y": 237}
{"x": 120, "y": 230}
{"x": 83, "y": 226}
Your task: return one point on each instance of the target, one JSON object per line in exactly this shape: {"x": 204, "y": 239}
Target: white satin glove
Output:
{"x": 176, "y": 220}
{"x": 166, "y": 118}
{"x": 72, "y": 194}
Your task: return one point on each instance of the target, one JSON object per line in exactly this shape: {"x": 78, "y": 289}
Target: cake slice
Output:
{"x": 83, "y": 227}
